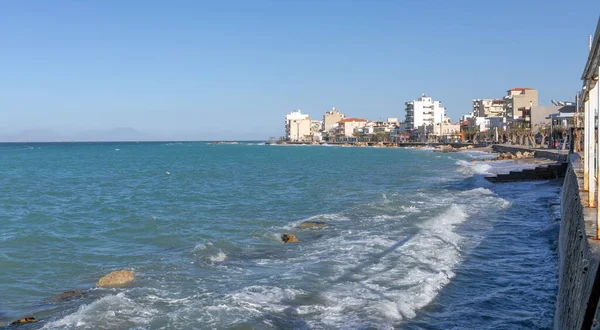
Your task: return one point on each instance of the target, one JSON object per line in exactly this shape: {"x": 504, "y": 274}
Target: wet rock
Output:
{"x": 24, "y": 320}
{"x": 313, "y": 224}
{"x": 116, "y": 279}
{"x": 289, "y": 238}
{"x": 68, "y": 295}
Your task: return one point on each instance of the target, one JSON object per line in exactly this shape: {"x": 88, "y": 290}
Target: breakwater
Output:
{"x": 579, "y": 256}
{"x": 551, "y": 154}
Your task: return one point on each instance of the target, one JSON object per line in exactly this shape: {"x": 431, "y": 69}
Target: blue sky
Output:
{"x": 232, "y": 69}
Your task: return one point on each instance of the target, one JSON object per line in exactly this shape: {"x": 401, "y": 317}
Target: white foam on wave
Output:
{"x": 473, "y": 168}
{"x": 478, "y": 191}
{"x": 406, "y": 274}
{"x": 110, "y": 312}
{"x": 209, "y": 253}
{"x": 410, "y": 209}
{"x": 476, "y": 154}
{"x": 219, "y": 257}
{"x": 201, "y": 246}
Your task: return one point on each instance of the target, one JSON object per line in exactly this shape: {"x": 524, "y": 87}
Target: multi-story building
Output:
{"x": 316, "y": 130}
{"x": 518, "y": 101}
{"x": 331, "y": 119}
{"x": 541, "y": 115}
{"x": 347, "y": 126}
{"x": 298, "y": 126}
{"x": 423, "y": 111}
{"x": 488, "y": 107}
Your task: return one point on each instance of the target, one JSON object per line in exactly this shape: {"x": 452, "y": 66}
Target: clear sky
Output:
{"x": 233, "y": 69}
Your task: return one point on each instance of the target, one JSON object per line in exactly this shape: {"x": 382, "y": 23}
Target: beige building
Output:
{"x": 488, "y": 107}
{"x": 298, "y": 126}
{"x": 540, "y": 115}
{"x": 347, "y": 126}
{"x": 447, "y": 130}
{"x": 331, "y": 119}
{"x": 519, "y": 100}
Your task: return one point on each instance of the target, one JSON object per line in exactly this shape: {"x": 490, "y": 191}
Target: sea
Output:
{"x": 416, "y": 239}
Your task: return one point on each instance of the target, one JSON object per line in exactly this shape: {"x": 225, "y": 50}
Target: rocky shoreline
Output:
{"x": 114, "y": 279}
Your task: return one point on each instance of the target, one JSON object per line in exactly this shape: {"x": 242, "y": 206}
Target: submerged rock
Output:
{"x": 313, "y": 224}
{"x": 24, "y": 320}
{"x": 67, "y": 295}
{"x": 117, "y": 278}
{"x": 289, "y": 238}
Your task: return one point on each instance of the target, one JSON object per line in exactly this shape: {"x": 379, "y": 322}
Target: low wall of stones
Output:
{"x": 547, "y": 154}
{"x": 578, "y": 258}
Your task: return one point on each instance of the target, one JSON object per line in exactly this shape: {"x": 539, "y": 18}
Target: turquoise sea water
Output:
{"x": 417, "y": 239}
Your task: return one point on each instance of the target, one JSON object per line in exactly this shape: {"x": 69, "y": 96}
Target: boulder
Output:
{"x": 289, "y": 238}
{"x": 519, "y": 155}
{"x": 24, "y": 320}
{"x": 116, "y": 279}
{"x": 67, "y": 295}
{"x": 313, "y": 224}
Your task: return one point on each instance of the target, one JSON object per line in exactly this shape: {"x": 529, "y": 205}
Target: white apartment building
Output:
{"x": 297, "y": 126}
{"x": 488, "y": 107}
{"x": 423, "y": 111}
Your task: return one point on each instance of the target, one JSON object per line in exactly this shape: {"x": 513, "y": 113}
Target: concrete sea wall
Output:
{"x": 578, "y": 256}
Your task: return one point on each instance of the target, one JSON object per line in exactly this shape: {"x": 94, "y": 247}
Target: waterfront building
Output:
{"x": 540, "y": 115}
{"x": 519, "y": 101}
{"x": 498, "y": 123}
{"x": 331, "y": 119}
{"x": 423, "y": 111}
{"x": 446, "y": 132}
{"x": 347, "y": 126}
{"x": 297, "y": 126}
{"x": 488, "y": 107}
{"x": 479, "y": 123}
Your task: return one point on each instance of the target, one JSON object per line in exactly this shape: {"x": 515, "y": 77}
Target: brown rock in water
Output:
{"x": 289, "y": 238}
{"x": 69, "y": 295}
{"x": 115, "y": 279}
{"x": 24, "y": 320}
{"x": 313, "y": 224}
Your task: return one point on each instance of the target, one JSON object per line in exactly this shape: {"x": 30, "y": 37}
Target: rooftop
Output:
{"x": 348, "y": 120}
{"x": 519, "y": 89}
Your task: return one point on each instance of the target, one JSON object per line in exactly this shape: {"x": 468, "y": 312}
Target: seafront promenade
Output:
{"x": 383, "y": 144}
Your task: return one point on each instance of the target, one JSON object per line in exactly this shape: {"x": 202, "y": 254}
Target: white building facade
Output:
{"x": 423, "y": 111}
{"x": 297, "y": 126}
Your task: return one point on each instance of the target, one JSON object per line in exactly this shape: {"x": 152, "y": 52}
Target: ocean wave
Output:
{"x": 207, "y": 252}
{"x": 110, "y": 312}
{"x": 473, "y": 168}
